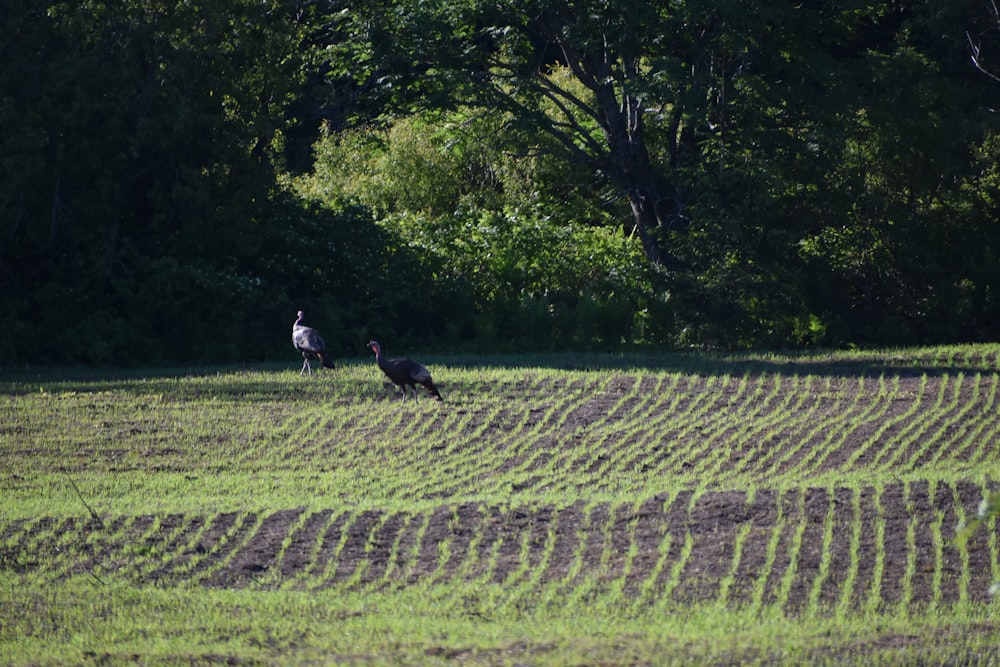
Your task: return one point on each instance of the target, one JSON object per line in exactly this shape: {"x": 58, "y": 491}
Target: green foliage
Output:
{"x": 804, "y": 147}
{"x": 834, "y": 204}
{"x": 809, "y": 174}
{"x": 141, "y": 219}
{"x": 540, "y": 284}
{"x": 905, "y": 209}
{"x": 539, "y": 273}
{"x": 435, "y": 163}
{"x": 135, "y": 189}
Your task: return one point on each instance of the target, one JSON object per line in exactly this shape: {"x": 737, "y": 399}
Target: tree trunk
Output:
{"x": 656, "y": 210}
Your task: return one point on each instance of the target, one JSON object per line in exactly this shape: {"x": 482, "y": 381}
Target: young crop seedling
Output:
{"x": 628, "y": 509}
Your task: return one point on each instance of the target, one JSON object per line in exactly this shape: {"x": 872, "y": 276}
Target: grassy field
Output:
{"x": 577, "y": 509}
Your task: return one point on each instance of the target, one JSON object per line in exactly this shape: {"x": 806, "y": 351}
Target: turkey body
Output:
{"x": 307, "y": 341}
{"x": 405, "y": 373}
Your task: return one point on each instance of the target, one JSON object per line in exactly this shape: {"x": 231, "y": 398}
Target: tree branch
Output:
{"x": 975, "y": 49}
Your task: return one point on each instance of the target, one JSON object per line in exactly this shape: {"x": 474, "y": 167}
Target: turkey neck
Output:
{"x": 382, "y": 363}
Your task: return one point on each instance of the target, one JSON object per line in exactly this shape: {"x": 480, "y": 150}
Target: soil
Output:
{"x": 767, "y": 549}
{"x": 800, "y": 549}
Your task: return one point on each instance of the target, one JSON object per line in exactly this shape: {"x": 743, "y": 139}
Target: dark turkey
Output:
{"x": 310, "y": 344}
{"x": 405, "y": 373}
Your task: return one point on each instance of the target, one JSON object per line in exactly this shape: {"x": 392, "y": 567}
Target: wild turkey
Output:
{"x": 405, "y": 373}
{"x": 310, "y": 344}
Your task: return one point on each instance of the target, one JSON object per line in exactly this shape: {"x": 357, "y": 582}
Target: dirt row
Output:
{"x": 809, "y": 547}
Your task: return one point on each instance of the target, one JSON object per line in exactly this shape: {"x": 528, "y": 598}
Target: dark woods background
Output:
{"x": 178, "y": 178}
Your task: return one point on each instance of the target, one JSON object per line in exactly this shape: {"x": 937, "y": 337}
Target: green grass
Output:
{"x": 556, "y": 509}
{"x": 121, "y": 624}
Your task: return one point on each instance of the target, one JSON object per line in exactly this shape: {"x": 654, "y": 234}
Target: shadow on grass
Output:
{"x": 933, "y": 361}
{"x": 242, "y": 381}
{"x": 915, "y": 362}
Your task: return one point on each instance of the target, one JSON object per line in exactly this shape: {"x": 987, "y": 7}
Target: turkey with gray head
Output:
{"x": 310, "y": 344}
{"x": 405, "y": 373}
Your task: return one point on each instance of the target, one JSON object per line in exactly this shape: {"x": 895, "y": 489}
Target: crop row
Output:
{"x": 648, "y": 432}
{"x": 537, "y": 434}
{"x": 804, "y": 551}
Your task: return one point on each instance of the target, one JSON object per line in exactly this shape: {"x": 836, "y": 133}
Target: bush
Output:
{"x": 536, "y": 284}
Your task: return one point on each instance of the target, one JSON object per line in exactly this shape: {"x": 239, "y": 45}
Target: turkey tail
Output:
{"x": 325, "y": 358}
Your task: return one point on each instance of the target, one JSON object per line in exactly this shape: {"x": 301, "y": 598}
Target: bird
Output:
{"x": 310, "y": 344}
{"x": 405, "y": 373}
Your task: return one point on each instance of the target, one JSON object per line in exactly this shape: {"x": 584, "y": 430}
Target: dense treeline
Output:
{"x": 178, "y": 178}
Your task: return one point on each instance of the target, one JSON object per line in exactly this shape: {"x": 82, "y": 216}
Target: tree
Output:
{"x": 906, "y": 245}
{"x": 133, "y": 132}
{"x": 634, "y": 95}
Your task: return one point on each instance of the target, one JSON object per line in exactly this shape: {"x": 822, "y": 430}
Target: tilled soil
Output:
{"x": 798, "y": 549}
